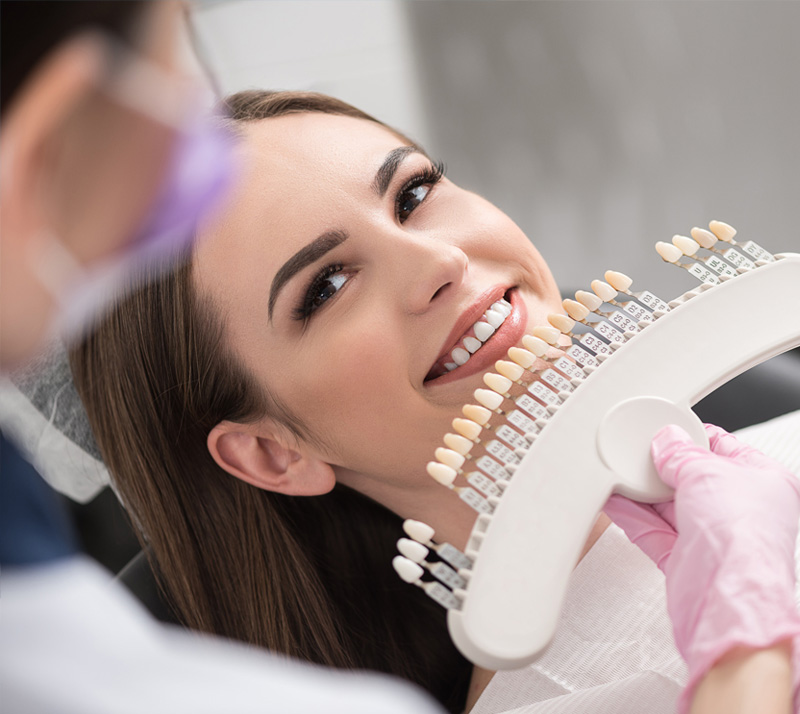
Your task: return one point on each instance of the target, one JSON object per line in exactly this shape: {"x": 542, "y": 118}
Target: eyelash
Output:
{"x": 428, "y": 176}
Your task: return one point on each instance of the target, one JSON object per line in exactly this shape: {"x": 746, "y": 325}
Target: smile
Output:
{"x": 470, "y": 350}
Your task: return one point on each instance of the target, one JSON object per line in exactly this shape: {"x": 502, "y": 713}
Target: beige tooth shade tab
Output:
{"x": 535, "y": 344}
{"x": 669, "y": 252}
{"x": 722, "y": 230}
{"x": 489, "y": 399}
{"x": 705, "y": 238}
{"x": 510, "y": 370}
{"x": 619, "y": 281}
{"x": 549, "y": 334}
{"x": 575, "y": 310}
{"x": 441, "y": 473}
{"x": 561, "y": 322}
{"x": 603, "y": 290}
{"x": 450, "y": 458}
{"x": 497, "y": 383}
{"x": 480, "y": 415}
{"x": 467, "y": 428}
{"x": 589, "y": 300}
{"x": 458, "y": 443}
{"x": 522, "y": 357}
{"x": 685, "y": 245}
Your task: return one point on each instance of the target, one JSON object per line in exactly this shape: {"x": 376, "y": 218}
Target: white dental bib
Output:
{"x": 613, "y": 652}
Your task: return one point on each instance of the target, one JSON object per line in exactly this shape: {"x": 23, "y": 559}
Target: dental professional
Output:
{"x": 103, "y": 164}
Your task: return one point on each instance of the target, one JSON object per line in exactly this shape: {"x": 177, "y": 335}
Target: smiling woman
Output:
{"x": 318, "y": 342}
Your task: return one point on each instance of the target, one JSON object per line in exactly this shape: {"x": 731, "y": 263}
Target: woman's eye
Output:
{"x": 324, "y": 286}
{"x": 410, "y": 199}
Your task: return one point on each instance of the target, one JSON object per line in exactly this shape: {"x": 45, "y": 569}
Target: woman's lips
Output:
{"x": 508, "y": 334}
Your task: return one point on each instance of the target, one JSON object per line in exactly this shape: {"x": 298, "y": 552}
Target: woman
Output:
{"x": 307, "y": 349}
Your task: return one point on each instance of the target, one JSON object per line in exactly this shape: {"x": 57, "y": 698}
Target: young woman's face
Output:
{"x": 347, "y": 274}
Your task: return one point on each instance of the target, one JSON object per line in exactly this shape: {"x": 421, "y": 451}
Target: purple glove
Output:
{"x": 726, "y": 545}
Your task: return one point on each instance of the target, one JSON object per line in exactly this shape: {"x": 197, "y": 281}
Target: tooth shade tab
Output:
{"x": 480, "y": 415}
{"x": 483, "y": 330}
{"x": 472, "y": 344}
{"x": 722, "y": 230}
{"x": 522, "y": 357}
{"x": 497, "y": 383}
{"x": 603, "y": 290}
{"x": 536, "y": 345}
{"x": 418, "y": 530}
{"x": 705, "y": 238}
{"x": 407, "y": 569}
{"x": 489, "y": 399}
{"x": 494, "y": 318}
{"x": 510, "y": 370}
{"x": 460, "y": 356}
{"x": 618, "y": 281}
{"x": 575, "y": 310}
{"x": 458, "y": 443}
{"x": 450, "y": 458}
{"x": 561, "y": 322}
{"x": 669, "y": 252}
{"x": 686, "y": 245}
{"x": 441, "y": 473}
{"x": 413, "y": 550}
{"x": 589, "y": 300}
{"x": 467, "y": 428}
{"x": 549, "y": 334}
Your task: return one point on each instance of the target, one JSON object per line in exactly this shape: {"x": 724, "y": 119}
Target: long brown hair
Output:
{"x": 308, "y": 577}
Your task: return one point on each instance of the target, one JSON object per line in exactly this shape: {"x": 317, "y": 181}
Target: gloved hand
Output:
{"x": 726, "y": 545}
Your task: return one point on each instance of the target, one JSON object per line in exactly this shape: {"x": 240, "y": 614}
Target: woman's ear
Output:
{"x": 262, "y": 456}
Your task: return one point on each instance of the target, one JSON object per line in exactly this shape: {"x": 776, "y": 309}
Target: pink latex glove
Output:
{"x": 726, "y": 545}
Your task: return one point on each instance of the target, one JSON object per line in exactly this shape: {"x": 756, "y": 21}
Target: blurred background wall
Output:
{"x": 600, "y": 127}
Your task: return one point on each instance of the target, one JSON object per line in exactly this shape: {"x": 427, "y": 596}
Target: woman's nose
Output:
{"x": 431, "y": 270}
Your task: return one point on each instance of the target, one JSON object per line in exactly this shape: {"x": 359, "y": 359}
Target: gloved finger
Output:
{"x": 643, "y": 526}
{"x": 723, "y": 443}
{"x": 672, "y": 449}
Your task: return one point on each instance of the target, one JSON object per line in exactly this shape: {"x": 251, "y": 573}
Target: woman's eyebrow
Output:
{"x": 302, "y": 258}
{"x": 387, "y": 170}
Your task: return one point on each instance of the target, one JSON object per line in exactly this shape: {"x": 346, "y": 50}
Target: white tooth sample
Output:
{"x": 619, "y": 281}
{"x": 589, "y": 300}
{"x": 549, "y": 334}
{"x": 411, "y": 549}
{"x": 489, "y": 399}
{"x": 521, "y": 357}
{"x": 722, "y": 230}
{"x": 467, "y": 428}
{"x": 502, "y": 307}
{"x": 669, "y": 252}
{"x": 686, "y": 245}
{"x": 449, "y": 458}
{"x": 511, "y": 370}
{"x": 561, "y": 322}
{"x": 407, "y": 569}
{"x": 450, "y": 366}
{"x": 603, "y": 290}
{"x": 441, "y": 473}
{"x": 575, "y": 310}
{"x": 705, "y": 238}
{"x": 460, "y": 356}
{"x": 418, "y": 530}
{"x": 483, "y": 330}
{"x": 458, "y": 443}
{"x": 472, "y": 344}
{"x": 495, "y": 319}
{"x": 535, "y": 344}
{"x": 480, "y": 415}
{"x": 497, "y": 383}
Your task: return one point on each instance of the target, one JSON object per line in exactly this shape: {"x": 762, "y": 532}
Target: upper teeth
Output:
{"x": 483, "y": 329}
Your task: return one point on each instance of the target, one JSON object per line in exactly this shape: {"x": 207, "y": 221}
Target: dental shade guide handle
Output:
{"x": 596, "y": 444}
